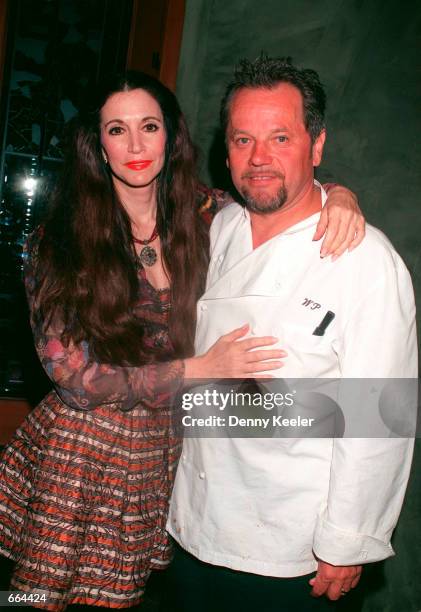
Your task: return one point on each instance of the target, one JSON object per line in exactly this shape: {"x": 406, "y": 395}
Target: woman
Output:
{"x": 112, "y": 281}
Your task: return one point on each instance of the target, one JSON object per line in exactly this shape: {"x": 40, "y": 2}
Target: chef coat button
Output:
{"x": 221, "y": 258}
{"x": 203, "y": 307}
{"x": 202, "y": 475}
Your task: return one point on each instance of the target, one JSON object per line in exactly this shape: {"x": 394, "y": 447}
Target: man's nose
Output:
{"x": 260, "y": 155}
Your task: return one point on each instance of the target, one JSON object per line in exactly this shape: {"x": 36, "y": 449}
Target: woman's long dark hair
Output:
{"x": 85, "y": 265}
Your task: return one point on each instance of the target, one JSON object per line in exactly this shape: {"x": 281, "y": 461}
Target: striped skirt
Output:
{"x": 83, "y": 503}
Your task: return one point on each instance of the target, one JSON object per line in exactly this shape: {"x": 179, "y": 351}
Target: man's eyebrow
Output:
{"x": 236, "y": 131}
{"x": 152, "y": 117}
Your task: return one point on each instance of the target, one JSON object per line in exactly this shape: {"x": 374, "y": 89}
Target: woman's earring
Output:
{"x": 104, "y": 156}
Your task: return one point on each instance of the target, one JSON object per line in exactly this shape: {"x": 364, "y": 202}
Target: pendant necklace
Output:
{"x": 147, "y": 255}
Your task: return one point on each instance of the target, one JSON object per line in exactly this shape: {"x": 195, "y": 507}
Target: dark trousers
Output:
{"x": 194, "y": 586}
{"x": 189, "y": 585}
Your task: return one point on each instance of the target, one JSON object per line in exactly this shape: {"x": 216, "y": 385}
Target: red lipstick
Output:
{"x": 138, "y": 164}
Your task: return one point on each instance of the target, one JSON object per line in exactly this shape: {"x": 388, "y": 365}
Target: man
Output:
{"x": 286, "y": 507}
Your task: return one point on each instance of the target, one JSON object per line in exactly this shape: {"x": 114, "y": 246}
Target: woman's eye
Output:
{"x": 115, "y": 130}
{"x": 151, "y": 127}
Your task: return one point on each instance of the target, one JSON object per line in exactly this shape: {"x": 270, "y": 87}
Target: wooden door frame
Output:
{"x": 169, "y": 45}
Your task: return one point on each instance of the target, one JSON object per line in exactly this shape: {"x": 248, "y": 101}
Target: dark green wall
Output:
{"x": 367, "y": 53}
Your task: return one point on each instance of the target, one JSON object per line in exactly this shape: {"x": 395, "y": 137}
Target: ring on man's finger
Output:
{"x": 343, "y": 592}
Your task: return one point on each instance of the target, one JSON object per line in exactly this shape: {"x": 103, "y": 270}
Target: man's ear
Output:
{"x": 317, "y": 148}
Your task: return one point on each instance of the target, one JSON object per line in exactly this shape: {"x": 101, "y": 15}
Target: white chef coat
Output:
{"x": 269, "y": 506}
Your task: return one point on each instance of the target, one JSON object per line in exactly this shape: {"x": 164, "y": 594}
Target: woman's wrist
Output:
{"x": 193, "y": 367}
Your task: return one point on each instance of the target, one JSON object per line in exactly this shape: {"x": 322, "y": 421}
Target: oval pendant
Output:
{"x": 147, "y": 256}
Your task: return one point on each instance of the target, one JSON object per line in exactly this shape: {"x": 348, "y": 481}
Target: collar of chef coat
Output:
{"x": 236, "y": 269}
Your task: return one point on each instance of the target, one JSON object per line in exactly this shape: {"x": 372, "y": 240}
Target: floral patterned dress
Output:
{"x": 85, "y": 482}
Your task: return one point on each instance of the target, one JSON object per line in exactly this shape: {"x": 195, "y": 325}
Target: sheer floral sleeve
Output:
{"x": 210, "y": 201}
{"x": 82, "y": 382}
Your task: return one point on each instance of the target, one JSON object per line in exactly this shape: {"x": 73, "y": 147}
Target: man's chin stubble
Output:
{"x": 264, "y": 206}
